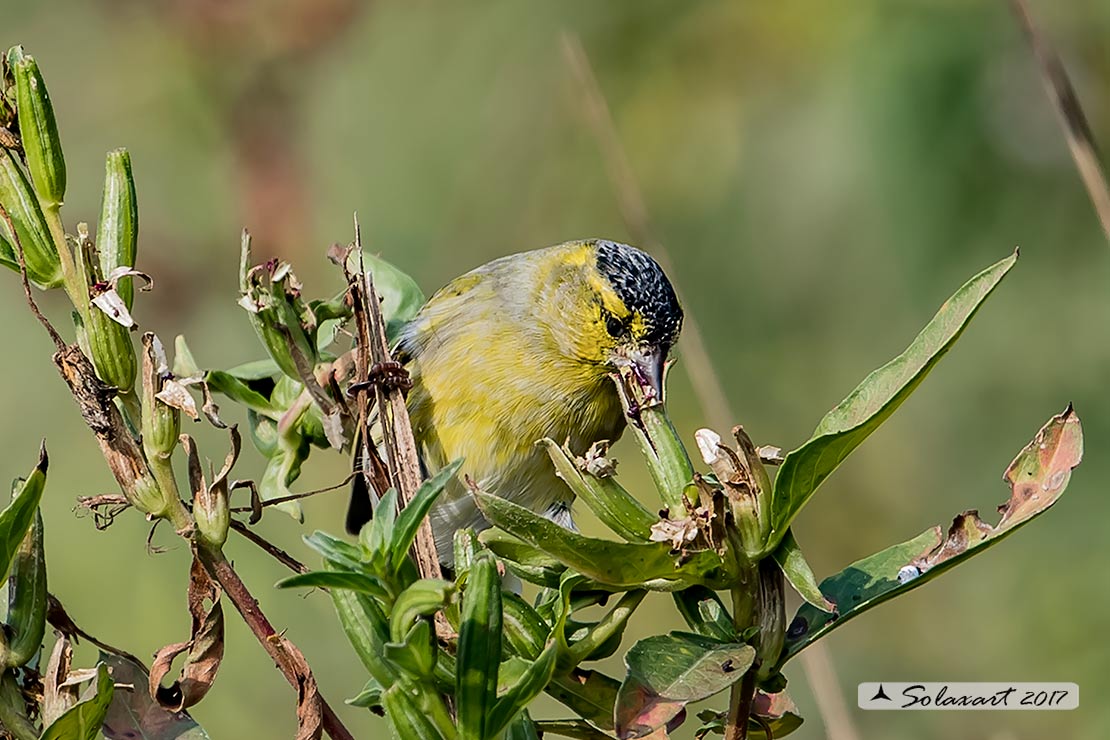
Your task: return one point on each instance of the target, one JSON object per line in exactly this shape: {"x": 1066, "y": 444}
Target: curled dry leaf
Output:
{"x": 57, "y": 695}
{"x": 204, "y": 650}
{"x": 175, "y": 393}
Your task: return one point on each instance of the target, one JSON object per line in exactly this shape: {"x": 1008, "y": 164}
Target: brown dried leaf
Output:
{"x": 175, "y": 394}
{"x": 205, "y": 648}
{"x": 57, "y": 696}
{"x": 309, "y": 706}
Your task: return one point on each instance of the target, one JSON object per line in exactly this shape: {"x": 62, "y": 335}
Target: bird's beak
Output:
{"x": 649, "y": 364}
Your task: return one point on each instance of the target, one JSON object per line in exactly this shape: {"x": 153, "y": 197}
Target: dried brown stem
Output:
{"x": 287, "y": 657}
{"x": 1077, "y": 130}
{"x": 400, "y": 444}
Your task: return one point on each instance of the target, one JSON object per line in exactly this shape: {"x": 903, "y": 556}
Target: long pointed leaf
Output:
{"x": 16, "y": 518}
{"x": 1037, "y": 478}
{"x": 410, "y": 518}
{"x": 876, "y": 398}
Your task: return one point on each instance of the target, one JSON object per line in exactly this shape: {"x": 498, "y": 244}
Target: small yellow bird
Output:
{"x": 520, "y": 349}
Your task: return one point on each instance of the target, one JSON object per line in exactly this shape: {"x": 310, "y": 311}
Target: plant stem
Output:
{"x": 78, "y": 294}
{"x": 13, "y": 711}
{"x": 277, "y": 646}
{"x": 743, "y": 692}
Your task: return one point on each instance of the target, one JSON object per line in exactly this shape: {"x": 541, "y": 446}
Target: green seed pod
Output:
{"x": 479, "y": 648}
{"x": 161, "y": 423}
{"x": 210, "y": 510}
{"x": 31, "y": 232}
{"x": 108, "y": 342}
{"x": 408, "y": 720}
{"x": 26, "y": 623}
{"x": 271, "y": 295}
{"x": 146, "y": 496}
{"x": 41, "y": 144}
{"x": 118, "y": 232}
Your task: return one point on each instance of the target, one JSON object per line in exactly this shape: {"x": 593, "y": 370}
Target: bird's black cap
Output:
{"x": 643, "y": 286}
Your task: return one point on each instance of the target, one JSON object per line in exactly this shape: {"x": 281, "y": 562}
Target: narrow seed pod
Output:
{"x": 211, "y": 513}
{"x": 479, "y": 651}
{"x": 39, "y": 131}
{"x": 39, "y": 252}
{"x": 26, "y": 624}
{"x": 117, "y": 233}
{"x": 161, "y": 423}
{"x": 109, "y": 342}
{"x": 408, "y": 720}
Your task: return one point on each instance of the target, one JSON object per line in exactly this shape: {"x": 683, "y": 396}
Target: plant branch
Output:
{"x": 1077, "y": 130}
{"x": 285, "y": 654}
{"x": 270, "y": 548}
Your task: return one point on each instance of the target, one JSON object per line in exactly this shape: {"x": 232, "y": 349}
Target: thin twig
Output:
{"x": 59, "y": 343}
{"x": 1077, "y": 130}
{"x": 296, "y": 496}
{"x": 707, "y": 385}
{"x": 270, "y": 548}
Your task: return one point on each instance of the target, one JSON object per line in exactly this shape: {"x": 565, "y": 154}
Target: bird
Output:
{"x": 523, "y": 348}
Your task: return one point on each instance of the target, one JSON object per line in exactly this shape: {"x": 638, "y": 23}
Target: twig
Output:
{"x": 273, "y": 550}
{"x": 404, "y": 461}
{"x": 59, "y": 343}
{"x": 707, "y": 385}
{"x": 285, "y": 654}
{"x": 1077, "y": 130}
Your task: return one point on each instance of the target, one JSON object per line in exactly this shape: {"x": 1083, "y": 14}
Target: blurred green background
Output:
{"x": 823, "y": 175}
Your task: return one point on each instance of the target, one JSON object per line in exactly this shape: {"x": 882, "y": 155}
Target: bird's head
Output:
{"x": 622, "y": 307}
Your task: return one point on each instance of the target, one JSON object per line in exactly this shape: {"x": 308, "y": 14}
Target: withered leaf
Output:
{"x": 204, "y": 650}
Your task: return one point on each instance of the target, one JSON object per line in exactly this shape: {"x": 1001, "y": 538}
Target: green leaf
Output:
{"x": 421, "y": 599}
{"x": 241, "y": 393}
{"x": 341, "y": 553}
{"x": 17, "y": 517}
{"x": 134, "y": 715}
{"x": 367, "y": 630}
{"x": 409, "y": 520}
{"x": 375, "y": 537}
{"x": 618, "y": 564}
{"x": 401, "y": 296}
{"x": 360, "y": 582}
{"x": 775, "y": 712}
{"x": 416, "y": 653}
{"x": 31, "y": 230}
{"x": 83, "y": 720}
{"x": 613, "y": 505}
{"x": 876, "y": 398}
{"x": 524, "y": 561}
{"x": 1037, "y": 478}
{"x": 370, "y": 696}
{"x": 797, "y": 571}
{"x": 26, "y": 622}
{"x": 705, "y": 613}
{"x": 667, "y": 672}
{"x": 592, "y": 695}
{"x": 255, "y": 370}
{"x": 522, "y": 728}
{"x": 409, "y": 721}
{"x": 524, "y": 629}
{"x": 479, "y": 648}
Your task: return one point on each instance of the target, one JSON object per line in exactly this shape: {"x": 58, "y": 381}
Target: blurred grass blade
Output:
{"x": 667, "y": 672}
{"x": 479, "y": 648}
{"x": 84, "y": 720}
{"x": 619, "y": 564}
{"x": 794, "y": 566}
{"x": 614, "y": 506}
{"x": 876, "y": 398}
{"x": 1037, "y": 477}
{"x": 117, "y": 234}
{"x": 409, "y": 520}
{"x": 16, "y": 518}
{"x": 26, "y": 622}
{"x": 44, "y": 268}
{"x": 42, "y": 146}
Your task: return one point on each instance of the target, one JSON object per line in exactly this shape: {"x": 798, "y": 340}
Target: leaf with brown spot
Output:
{"x": 1037, "y": 478}
{"x": 204, "y": 650}
{"x": 133, "y": 715}
{"x": 667, "y": 672}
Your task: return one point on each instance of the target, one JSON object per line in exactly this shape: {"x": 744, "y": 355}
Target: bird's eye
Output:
{"x": 614, "y": 326}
